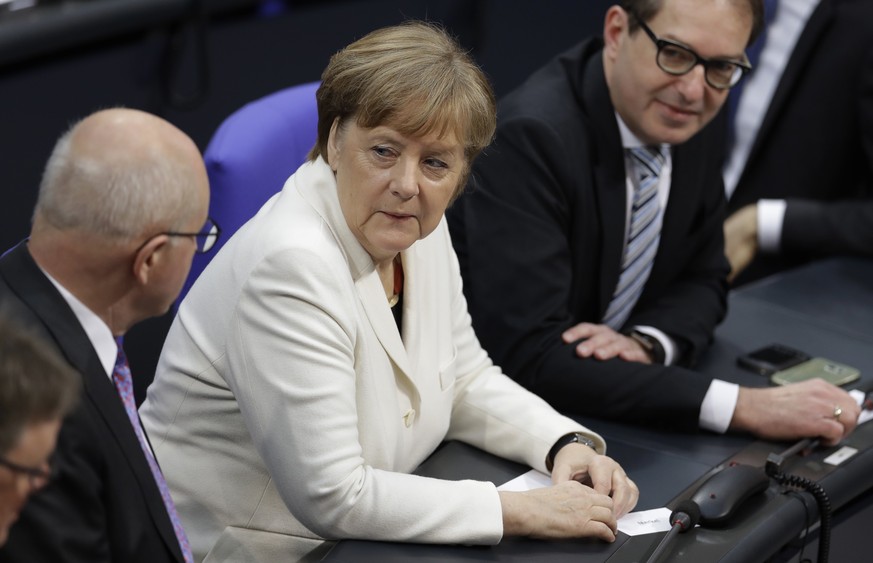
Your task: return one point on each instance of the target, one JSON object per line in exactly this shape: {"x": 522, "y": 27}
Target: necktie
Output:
{"x": 124, "y": 384}
{"x": 643, "y": 235}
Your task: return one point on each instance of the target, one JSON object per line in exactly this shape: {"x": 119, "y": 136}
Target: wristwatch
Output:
{"x": 571, "y": 438}
{"x": 650, "y": 344}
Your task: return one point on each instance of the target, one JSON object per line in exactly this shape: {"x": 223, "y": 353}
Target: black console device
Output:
{"x": 721, "y": 495}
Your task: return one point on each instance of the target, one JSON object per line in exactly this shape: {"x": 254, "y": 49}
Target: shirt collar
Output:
{"x": 631, "y": 141}
{"x": 98, "y": 332}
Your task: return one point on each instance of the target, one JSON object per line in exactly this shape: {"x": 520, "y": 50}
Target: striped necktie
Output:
{"x": 124, "y": 384}
{"x": 642, "y": 238}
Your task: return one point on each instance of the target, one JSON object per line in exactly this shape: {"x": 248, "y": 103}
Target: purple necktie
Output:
{"x": 123, "y": 382}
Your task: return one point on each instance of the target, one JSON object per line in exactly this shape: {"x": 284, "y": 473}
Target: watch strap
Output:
{"x": 650, "y": 344}
{"x": 571, "y": 438}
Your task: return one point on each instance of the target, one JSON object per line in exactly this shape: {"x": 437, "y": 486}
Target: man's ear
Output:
{"x": 149, "y": 257}
{"x": 615, "y": 27}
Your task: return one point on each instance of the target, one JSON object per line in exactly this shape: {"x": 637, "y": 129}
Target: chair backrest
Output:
{"x": 251, "y": 155}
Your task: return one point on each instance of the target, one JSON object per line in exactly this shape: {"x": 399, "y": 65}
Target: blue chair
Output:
{"x": 251, "y": 155}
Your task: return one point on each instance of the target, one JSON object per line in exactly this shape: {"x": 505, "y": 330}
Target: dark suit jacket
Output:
{"x": 540, "y": 232}
{"x": 104, "y": 504}
{"x": 815, "y": 145}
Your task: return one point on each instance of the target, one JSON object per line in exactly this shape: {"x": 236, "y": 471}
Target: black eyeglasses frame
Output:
{"x": 33, "y": 473}
{"x": 205, "y": 239}
{"x": 741, "y": 67}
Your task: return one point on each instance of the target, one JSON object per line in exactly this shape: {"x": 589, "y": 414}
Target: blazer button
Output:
{"x": 409, "y": 417}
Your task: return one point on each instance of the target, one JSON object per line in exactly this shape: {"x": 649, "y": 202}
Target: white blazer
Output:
{"x": 287, "y": 409}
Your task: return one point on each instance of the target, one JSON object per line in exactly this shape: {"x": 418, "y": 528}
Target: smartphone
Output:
{"x": 830, "y": 371}
{"x": 770, "y": 359}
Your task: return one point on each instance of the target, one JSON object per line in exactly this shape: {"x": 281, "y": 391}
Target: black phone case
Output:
{"x": 790, "y": 357}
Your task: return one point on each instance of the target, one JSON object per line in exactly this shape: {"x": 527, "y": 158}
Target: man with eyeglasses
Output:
{"x": 37, "y": 389}
{"x": 590, "y": 237}
{"x": 121, "y": 210}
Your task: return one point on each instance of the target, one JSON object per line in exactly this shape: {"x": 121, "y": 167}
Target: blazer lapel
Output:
{"x": 381, "y": 319}
{"x": 37, "y": 291}
{"x": 609, "y": 176}
{"x": 421, "y": 345}
{"x": 797, "y": 62}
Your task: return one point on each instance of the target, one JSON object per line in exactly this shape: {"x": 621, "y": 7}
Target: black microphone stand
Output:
{"x": 685, "y": 517}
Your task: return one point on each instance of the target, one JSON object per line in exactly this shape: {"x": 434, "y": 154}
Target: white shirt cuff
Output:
{"x": 666, "y": 342}
{"x": 718, "y": 406}
{"x": 771, "y": 214}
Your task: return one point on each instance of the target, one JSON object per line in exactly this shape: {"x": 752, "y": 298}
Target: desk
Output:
{"x": 825, "y": 309}
{"x": 810, "y": 291}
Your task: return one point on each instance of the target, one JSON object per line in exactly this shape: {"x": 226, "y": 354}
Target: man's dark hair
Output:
{"x": 645, "y": 10}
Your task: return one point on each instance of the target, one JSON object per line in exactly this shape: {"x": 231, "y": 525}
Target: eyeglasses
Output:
{"x": 677, "y": 60}
{"x": 206, "y": 238}
{"x": 38, "y": 477}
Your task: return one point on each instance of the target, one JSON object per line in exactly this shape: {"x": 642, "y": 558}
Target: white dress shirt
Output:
{"x": 98, "y": 332}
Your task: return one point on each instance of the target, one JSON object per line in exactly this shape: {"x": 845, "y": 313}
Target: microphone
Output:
{"x": 685, "y": 517}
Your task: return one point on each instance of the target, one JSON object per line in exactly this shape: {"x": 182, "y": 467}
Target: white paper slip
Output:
{"x": 633, "y": 524}
{"x": 645, "y": 522}
{"x": 859, "y": 396}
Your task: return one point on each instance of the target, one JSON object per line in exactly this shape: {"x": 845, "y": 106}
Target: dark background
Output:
{"x": 194, "y": 62}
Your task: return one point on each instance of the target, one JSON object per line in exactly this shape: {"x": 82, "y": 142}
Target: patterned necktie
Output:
{"x": 124, "y": 384}
{"x": 642, "y": 238}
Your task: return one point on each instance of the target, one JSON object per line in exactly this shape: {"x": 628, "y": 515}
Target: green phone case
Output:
{"x": 833, "y": 372}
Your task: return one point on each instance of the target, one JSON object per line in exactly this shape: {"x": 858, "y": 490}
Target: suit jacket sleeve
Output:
{"x": 813, "y": 227}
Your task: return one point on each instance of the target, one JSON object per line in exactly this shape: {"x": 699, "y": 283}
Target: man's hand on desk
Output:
{"x": 741, "y": 238}
{"x": 571, "y": 508}
{"x": 603, "y": 343}
{"x": 800, "y": 410}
